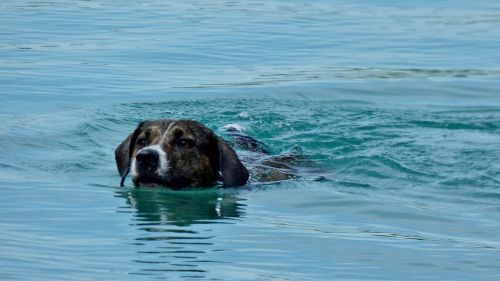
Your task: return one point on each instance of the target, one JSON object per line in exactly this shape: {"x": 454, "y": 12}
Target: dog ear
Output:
{"x": 123, "y": 153}
{"x": 232, "y": 170}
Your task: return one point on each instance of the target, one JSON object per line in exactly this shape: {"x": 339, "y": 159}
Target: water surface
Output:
{"x": 396, "y": 102}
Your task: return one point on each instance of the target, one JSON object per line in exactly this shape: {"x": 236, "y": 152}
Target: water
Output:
{"x": 398, "y": 102}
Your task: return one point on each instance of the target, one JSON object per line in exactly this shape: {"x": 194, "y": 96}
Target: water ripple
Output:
{"x": 394, "y": 104}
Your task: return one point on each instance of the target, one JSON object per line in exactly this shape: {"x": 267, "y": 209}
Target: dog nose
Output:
{"x": 147, "y": 158}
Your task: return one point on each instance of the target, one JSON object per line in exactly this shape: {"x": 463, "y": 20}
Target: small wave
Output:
{"x": 450, "y": 125}
{"x": 336, "y": 73}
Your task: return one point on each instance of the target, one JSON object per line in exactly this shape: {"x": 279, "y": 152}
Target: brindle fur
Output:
{"x": 194, "y": 153}
{"x": 208, "y": 158}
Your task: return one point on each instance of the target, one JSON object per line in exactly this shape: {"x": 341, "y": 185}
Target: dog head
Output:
{"x": 176, "y": 154}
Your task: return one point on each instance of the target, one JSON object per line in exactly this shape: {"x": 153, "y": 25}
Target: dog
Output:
{"x": 177, "y": 154}
{"x": 185, "y": 153}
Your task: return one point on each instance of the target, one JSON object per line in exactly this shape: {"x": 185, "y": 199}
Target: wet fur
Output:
{"x": 205, "y": 159}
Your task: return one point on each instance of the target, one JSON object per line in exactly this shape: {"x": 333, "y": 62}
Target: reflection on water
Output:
{"x": 168, "y": 207}
{"x": 172, "y": 232}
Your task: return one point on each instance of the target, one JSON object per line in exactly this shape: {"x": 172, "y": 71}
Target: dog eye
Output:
{"x": 142, "y": 142}
{"x": 185, "y": 143}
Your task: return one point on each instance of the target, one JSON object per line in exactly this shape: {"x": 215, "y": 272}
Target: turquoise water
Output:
{"x": 398, "y": 103}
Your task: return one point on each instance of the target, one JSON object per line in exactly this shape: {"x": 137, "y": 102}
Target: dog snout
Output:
{"x": 147, "y": 159}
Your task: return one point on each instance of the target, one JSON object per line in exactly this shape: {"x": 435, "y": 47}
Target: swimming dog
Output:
{"x": 185, "y": 153}
{"x": 177, "y": 154}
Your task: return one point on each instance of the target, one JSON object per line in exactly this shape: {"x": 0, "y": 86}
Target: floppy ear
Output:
{"x": 232, "y": 170}
{"x": 123, "y": 153}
